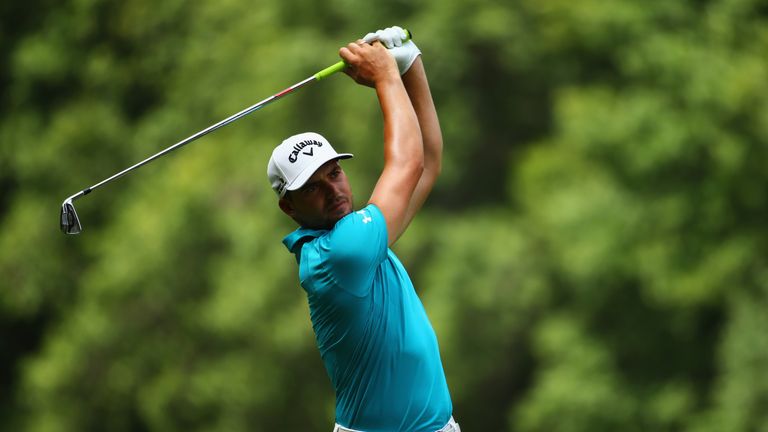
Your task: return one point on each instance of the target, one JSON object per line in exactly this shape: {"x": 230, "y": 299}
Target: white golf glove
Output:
{"x": 405, "y": 53}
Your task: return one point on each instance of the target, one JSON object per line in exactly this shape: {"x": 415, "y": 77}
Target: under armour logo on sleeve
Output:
{"x": 366, "y": 218}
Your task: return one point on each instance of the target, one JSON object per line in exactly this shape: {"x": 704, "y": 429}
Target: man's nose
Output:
{"x": 331, "y": 190}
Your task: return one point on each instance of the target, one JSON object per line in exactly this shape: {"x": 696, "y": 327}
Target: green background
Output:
{"x": 593, "y": 257}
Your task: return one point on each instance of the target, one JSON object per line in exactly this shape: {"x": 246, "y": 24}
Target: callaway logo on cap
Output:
{"x": 295, "y": 160}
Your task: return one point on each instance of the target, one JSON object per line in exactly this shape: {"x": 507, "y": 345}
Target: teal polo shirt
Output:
{"x": 375, "y": 339}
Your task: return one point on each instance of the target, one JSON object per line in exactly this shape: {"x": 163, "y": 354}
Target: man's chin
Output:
{"x": 337, "y": 214}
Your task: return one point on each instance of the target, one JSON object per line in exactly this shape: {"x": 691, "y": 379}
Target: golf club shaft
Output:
{"x": 327, "y": 72}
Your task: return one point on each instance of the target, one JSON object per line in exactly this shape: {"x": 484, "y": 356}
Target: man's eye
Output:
{"x": 335, "y": 173}
{"x": 310, "y": 189}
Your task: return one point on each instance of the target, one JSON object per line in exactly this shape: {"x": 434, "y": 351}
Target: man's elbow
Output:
{"x": 415, "y": 168}
{"x": 415, "y": 162}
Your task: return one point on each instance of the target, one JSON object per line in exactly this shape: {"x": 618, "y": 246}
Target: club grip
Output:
{"x": 337, "y": 67}
{"x": 330, "y": 70}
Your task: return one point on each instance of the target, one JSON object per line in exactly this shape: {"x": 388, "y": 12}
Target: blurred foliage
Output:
{"x": 592, "y": 259}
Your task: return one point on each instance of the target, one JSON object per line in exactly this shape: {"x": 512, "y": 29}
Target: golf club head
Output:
{"x": 70, "y": 223}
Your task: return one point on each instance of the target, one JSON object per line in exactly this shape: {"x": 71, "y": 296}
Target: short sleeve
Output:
{"x": 349, "y": 254}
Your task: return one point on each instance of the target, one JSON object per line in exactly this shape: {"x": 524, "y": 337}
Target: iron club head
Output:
{"x": 69, "y": 223}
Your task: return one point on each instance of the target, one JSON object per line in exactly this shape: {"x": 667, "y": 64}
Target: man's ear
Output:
{"x": 286, "y": 206}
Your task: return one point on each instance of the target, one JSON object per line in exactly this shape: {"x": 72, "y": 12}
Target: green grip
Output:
{"x": 330, "y": 70}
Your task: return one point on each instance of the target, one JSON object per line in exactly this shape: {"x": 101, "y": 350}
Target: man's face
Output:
{"x": 324, "y": 199}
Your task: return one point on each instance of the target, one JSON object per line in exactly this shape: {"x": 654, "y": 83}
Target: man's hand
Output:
{"x": 394, "y": 39}
{"x": 369, "y": 64}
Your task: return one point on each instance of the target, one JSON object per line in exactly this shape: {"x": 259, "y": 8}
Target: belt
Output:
{"x": 451, "y": 426}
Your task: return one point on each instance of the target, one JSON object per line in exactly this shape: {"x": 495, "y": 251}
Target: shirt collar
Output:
{"x": 294, "y": 240}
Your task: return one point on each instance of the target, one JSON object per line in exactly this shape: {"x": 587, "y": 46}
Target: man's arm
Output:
{"x": 403, "y": 147}
{"x": 417, "y": 86}
{"x": 408, "y": 58}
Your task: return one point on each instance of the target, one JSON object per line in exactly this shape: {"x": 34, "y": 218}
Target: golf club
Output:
{"x": 70, "y": 223}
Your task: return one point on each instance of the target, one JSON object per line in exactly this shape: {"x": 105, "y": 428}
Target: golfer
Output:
{"x": 375, "y": 339}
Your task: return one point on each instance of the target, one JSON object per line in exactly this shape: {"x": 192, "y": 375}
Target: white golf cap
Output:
{"x": 295, "y": 160}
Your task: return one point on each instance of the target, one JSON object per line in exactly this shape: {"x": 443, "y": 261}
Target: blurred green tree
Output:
{"x": 592, "y": 259}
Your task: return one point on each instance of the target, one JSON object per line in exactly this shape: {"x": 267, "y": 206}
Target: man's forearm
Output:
{"x": 403, "y": 156}
{"x": 402, "y": 135}
{"x": 417, "y": 86}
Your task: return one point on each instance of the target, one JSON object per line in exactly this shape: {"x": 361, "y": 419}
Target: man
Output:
{"x": 374, "y": 337}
